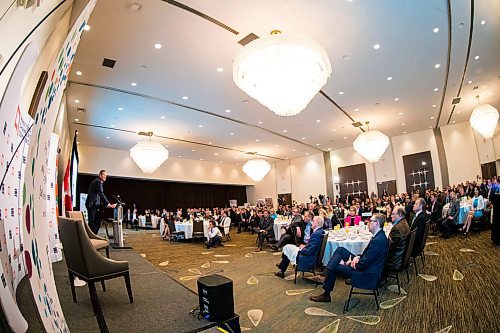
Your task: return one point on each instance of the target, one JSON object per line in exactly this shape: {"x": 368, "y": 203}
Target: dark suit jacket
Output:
{"x": 96, "y": 195}
{"x": 308, "y": 255}
{"x": 398, "y": 239}
{"x": 266, "y": 224}
{"x": 371, "y": 262}
{"x": 437, "y": 212}
{"x": 419, "y": 224}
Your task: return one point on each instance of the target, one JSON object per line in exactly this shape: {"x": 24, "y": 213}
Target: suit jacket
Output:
{"x": 436, "y": 212}
{"x": 96, "y": 195}
{"x": 454, "y": 210}
{"x": 371, "y": 262}
{"x": 309, "y": 253}
{"x": 297, "y": 222}
{"x": 419, "y": 223}
{"x": 398, "y": 238}
{"x": 266, "y": 224}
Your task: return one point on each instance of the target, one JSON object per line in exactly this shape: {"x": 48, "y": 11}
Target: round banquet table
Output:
{"x": 278, "y": 230}
{"x": 187, "y": 227}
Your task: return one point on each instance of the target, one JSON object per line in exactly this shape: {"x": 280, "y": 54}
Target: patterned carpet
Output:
{"x": 467, "y": 305}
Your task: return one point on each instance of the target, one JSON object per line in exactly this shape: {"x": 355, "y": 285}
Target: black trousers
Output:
{"x": 446, "y": 226}
{"x": 95, "y": 219}
{"x": 262, "y": 236}
{"x": 283, "y": 265}
{"x": 284, "y": 240}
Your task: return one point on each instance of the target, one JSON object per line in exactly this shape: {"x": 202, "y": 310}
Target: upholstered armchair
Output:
{"x": 98, "y": 243}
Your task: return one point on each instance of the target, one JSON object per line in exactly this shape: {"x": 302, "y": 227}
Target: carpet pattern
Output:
{"x": 467, "y": 305}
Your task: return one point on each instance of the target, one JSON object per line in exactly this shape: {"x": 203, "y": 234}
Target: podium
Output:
{"x": 117, "y": 229}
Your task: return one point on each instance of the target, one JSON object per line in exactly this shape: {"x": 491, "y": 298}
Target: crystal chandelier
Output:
{"x": 149, "y": 155}
{"x": 282, "y": 72}
{"x": 256, "y": 169}
{"x": 484, "y": 119}
{"x": 371, "y": 144}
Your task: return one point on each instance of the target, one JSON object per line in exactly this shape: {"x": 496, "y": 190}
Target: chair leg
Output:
{"x": 129, "y": 287}
{"x": 346, "y": 305}
{"x": 96, "y": 306}
{"x": 407, "y": 275}
{"x": 397, "y": 279}
{"x": 107, "y": 252}
{"x": 295, "y": 279}
{"x": 376, "y": 298}
{"x": 416, "y": 266}
{"x": 422, "y": 257}
{"x": 103, "y": 285}
{"x": 72, "y": 284}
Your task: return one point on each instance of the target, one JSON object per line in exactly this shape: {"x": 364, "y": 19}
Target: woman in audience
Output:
{"x": 352, "y": 218}
{"x": 476, "y": 211}
{"x": 388, "y": 213}
{"x": 327, "y": 224}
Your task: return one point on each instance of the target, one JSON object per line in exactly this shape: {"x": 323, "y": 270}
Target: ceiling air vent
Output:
{"x": 108, "y": 63}
{"x": 248, "y": 38}
{"x": 455, "y": 101}
{"x": 251, "y": 153}
{"x": 81, "y": 110}
{"x": 357, "y": 124}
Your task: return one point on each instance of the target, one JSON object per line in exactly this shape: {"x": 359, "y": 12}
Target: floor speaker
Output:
{"x": 215, "y": 293}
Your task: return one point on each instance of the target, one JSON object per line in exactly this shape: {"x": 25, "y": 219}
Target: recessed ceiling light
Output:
{"x": 220, "y": 69}
{"x": 227, "y": 110}
{"x": 181, "y": 137}
{"x": 185, "y": 97}
{"x": 193, "y": 149}
{"x": 209, "y": 142}
{"x": 179, "y": 156}
{"x": 317, "y": 144}
{"x": 436, "y": 30}
{"x": 318, "y": 120}
{"x": 260, "y": 122}
{"x": 432, "y": 118}
{"x": 469, "y": 82}
{"x": 133, "y": 84}
{"x": 402, "y": 124}
{"x": 257, "y": 140}
{"x": 483, "y": 22}
{"x": 120, "y": 109}
{"x": 276, "y": 146}
{"x": 376, "y": 46}
{"x": 113, "y": 125}
{"x": 458, "y": 111}
{"x": 77, "y": 101}
{"x": 400, "y": 114}
{"x": 286, "y": 158}
{"x": 341, "y": 92}
{"x": 293, "y": 149}
{"x": 389, "y": 78}
{"x": 162, "y": 117}
{"x": 356, "y": 109}
{"x": 86, "y": 27}
{"x": 307, "y": 153}
{"x": 231, "y": 133}
{"x": 396, "y": 99}
{"x": 476, "y": 57}
{"x": 220, "y": 161}
{"x": 430, "y": 126}
{"x": 437, "y": 65}
{"x": 78, "y": 73}
{"x": 157, "y": 46}
{"x": 436, "y": 89}
{"x": 329, "y": 148}
{"x": 405, "y": 132}
{"x": 345, "y": 137}
{"x": 234, "y": 147}
{"x": 201, "y": 159}
{"x": 303, "y": 138}
{"x": 78, "y": 142}
{"x": 333, "y": 130}
{"x": 107, "y": 137}
{"x": 76, "y": 119}
{"x": 434, "y": 105}
{"x": 453, "y": 122}
{"x": 200, "y": 126}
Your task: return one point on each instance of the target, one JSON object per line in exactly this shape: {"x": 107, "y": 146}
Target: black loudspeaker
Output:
{"x": 215, "y": 293}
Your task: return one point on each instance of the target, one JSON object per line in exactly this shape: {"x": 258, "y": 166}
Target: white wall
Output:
{"x": 119, "y": 163}
{"x": 461, "y": 152}
{"x": 413, "y": 143}
{"x": 266, "y": 188}
{"x": 308, "y": 177}
{"x": 283, "y": 177}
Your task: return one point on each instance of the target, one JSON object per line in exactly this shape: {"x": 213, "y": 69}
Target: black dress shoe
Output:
{"x": 321, "y": 298}
{"x": 348, "y": 282}
{"x": 280, "y": 274}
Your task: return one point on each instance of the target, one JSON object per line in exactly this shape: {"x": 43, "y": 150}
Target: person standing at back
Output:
{"x": 95, "y": 198}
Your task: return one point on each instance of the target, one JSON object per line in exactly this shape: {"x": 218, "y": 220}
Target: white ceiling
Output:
{"x": 193, "y": 48}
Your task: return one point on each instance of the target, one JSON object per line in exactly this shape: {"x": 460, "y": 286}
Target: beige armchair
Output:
{"x": 98, "y": 243}
{"x": 84, "y": 262}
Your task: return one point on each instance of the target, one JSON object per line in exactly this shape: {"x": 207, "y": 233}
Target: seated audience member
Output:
{"x": 214, "y": 236}
{"x": 435, "y": 209}
{"x": 364, "y": 268}
{"x": 476, "y": 211}
{"x": 327, "y": 221}
{"x": 398, "y": 238}
{"x": 243, "y": 220}
{"x": 297, "y": 226}
{"x": 165, "y": 234}
{"x": 352, "y": 218}
{"x": 224, "y": 222}
{"x": 419, "y": 223}
{"x": 264, "y": 229}
{"x": 308, "y": 253}
{"x": 446, "y": 224}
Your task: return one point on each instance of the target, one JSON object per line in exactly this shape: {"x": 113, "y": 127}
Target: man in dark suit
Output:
{"x": 446, "y": 223}
{"x": 398, "y": 238}
{"x": 308, "y": 253}
{"x": 264, "y": 229}
{"x": 434, "y": 209}
{"x": 291, "y": 234}
{"x": 418, "y": 222}
{"x": 365, "y": 268}
{"x": 95, "y": 198}
{"x": 494, "y": 198}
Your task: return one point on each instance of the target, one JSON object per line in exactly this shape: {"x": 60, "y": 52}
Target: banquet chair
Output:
{"x": 198, "y": 230}
{"x": 420, "y": 247}
{"x": 173, "y": 233}
{"x": 321, "y": 255}
{"x": 98, "y": 243}
{"x": 83, "y": 261}
{"x": 310, "y": 267}
{"x": 394, "y": 273}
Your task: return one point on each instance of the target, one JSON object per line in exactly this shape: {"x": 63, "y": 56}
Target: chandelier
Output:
{"x": 148, "y": 155}
{"x": 282, "y": 72}
{"x": 256, "y": 169}
{"x": 484, "y": 119}
{"x": 371, "y": 144}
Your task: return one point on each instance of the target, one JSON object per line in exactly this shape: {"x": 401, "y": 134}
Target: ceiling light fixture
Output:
{"x": 484, "y": 119}
{"x": 389, "y": 78}
{"x": 77, "y": 101}
{"x": 185, "y": 97}
{"x": 282, "y": 72}
{"x": 120, "y": 109}
{"x": 483, "y": 22}
{"x": 86, "y": 27}
{"x": 157, "y": 46}
{"x": 376, "y": 46}
{"x": 228, "y": 111}
{"x": 256, "y": 169}
{"x": 133, "y": 84}
{"x": 436, "y": 89}
{"x": 436, "y": 30}
{"x": 341, "y": 92}
{"x": 396, "y": 99}
{"x": 148, "y": 155}
{"x": 476, "y": 57}
{"x": 79, "y": 73}
{"x": 220, "y": 69}
{"x": 437, "y": 65}
{"x": 371, "y": 144}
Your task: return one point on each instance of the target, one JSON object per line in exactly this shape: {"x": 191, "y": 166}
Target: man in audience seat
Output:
{"x": 364, "y": 267}
{"x": 264, "y": 229}
{"x": 214, "y": 236}
{"x": 308, "y": 253}
{"x": 398, "y": 238}
{"x": 447, "y": 223}
{"x": 294, "y": 232}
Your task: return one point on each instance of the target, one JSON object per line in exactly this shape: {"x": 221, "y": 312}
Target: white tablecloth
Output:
{"x": 155, "y": 220}
{"x": 278, "y": 231}
{"x": 462, "y": 215}
{"x": 187, "y": 227}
